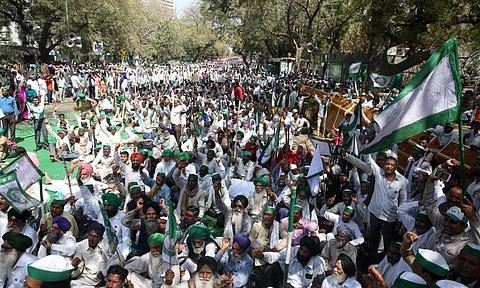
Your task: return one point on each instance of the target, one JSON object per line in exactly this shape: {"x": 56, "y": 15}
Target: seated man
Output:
{"x": 339, "y": 245}
{"x": 116, "y": 276}
{"x": 236, "y": 260}
{"x": 57, "y": 209}
{"x": 57, "y": 242}
{"x": 305, "y": 264}
{"x": 343, "y": 274}
{"x": 147, "y": 226}
{"x": 302, "y": 226}
{"x": 347, "y": 219}
{"x": 392, "y": 264}
{"x": 204, "y": 276}
{"x": 268, "y": 235}
{"x": 18, "y": 223}
{"x": 94, "y": 254}
{"x": 199, "y": 244}
{"x": 14, "y": 259}
{"x": 238, "y": 220}
{"x": 259, "y": 199}
{"x": 151, "y": 265}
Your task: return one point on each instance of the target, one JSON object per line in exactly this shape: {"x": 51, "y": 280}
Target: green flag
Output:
{"x": 352, "y": 131}
{"x": 431, "y": 98}
{"x": 112, "y": 237}
{"x": 12, "y": 191}
{"x": 274, "y": 143}
{"x": 173, "y": 229}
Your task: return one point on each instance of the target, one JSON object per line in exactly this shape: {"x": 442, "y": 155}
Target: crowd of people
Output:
{"x": 197, "y": 175}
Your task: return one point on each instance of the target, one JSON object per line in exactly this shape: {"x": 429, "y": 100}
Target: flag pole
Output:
{"x": 69, "y": 181}
{"x": 293, "y": 199}
{"x": 462, "y": 150}
{"x": 42, "y": 207}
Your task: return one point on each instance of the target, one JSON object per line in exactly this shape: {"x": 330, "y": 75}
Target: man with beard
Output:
{"x": 132, "y": 173}
{"x": 4, "y": 206}
{"x": 347, "y": 219}
{"x": 151, "y": 264}
{"x": 339, "y": 245}
{"x": 88, "y": 200}
{"x": 268, "y": 235}
{"x": 236, "y": 260}
{"x": 216, "y": 194}
{"x": 347, "y": 200}
{"x": 166, "y": 164}
{"x": 147, "y": 226}
{"x": 244, "y": 168}
{"x": 136, "y": 193}
{"x": 302, "y": 226}
{"x": 57, "y": 242}
{"x": 50, "y": 271}
{"x": 303, "y": 196}
{"x": 199, "y": 244}
{"x": 190, "y": 193}
{"x": 93, "y": 254}
{"x": 259, "y": 199}
{"x": 468, "y": 269}
{"x": 238, "y": 221}
{"x": 57, "y": 209}
{"x": 342, "y": 275}
{"x": 111, "y": 203}
{"x": 18, "y": 223}
{"x": 14, "y": 259}
{"x": 305, "y": 264}
{"x": 203, "y": 278}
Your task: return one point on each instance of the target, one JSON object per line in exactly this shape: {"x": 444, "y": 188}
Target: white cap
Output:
{"x": 449, "y": 284}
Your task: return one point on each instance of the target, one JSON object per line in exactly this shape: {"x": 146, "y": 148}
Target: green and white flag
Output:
{"x": 274, "y": 143}
{"x": 431, "y": 98}
{"x": 380, "y": 81}
{"x": 352, "y": 131}
{"x": 14, "y": 194}
{"x": 25, "y": 168}
{"x": 112, "y": 237}
{"x": 316, "y": 169}
{"x": 322, "y": 145}
{"x": 173, "y": 229}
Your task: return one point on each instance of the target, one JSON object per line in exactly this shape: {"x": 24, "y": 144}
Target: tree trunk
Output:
{"x": 298, "y": 57}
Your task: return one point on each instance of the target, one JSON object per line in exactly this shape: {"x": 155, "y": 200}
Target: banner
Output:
{"x": 14, "y": 194}
{"x": 24, "y": 166}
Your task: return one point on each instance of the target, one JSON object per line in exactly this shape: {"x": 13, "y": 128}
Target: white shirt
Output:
{"x": 349, "y": 283}
{"x": 66, "y": 247}
{"x": 298, "y": 276}
{"x": 17, "y": 276}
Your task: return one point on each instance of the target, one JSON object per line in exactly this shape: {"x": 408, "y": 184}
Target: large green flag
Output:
{"x": 12, "y": 191}
{"x": 112, "y": 237}
{"x": 173, "y": 229}
{"x": 431, "y": 98}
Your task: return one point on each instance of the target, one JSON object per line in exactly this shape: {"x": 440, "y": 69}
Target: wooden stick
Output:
{"x": 68, "y": 179}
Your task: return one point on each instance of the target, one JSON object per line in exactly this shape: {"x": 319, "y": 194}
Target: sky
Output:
{"x": 180, "y": 4}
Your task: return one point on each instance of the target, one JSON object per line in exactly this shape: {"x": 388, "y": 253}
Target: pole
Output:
{"x": 236, "y": 132}
{"x": 42, "y": 207}
{"x": 462, "y": 151}
{"x": 69, "y": 181}
{"x": 293, "y": 199}
{"x": 119, "y": 258}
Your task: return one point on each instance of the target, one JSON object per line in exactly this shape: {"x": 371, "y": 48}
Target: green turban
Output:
{"x": 198, "y": 232}
{"x": 261, "y": 180}
{"x": 112, "y": 200}
{"x": 168, "y": 152}
{"x": 297, "y": 208}
{"x": 183, "y": 155}
{"x": 18, "y": 241}
{"x": 209, "y": 261}
{"x": 135, "y": 188}
{"x": 241, "y": 133}
{"x": 160, "y": 174}
{"x": 130, "y": 184}
{"x": 269, "y": 209}
{"x": 242, "y": 199}
{"x": 156, "y": 238}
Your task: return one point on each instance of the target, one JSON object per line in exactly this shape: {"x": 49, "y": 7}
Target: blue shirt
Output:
{"x": 8, "y": 105}
{"x": 164, "y": 191}
{"x": 240, "y": 269}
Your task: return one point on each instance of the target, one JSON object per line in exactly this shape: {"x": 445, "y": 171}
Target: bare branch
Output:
{"x": 463, "y": 19}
